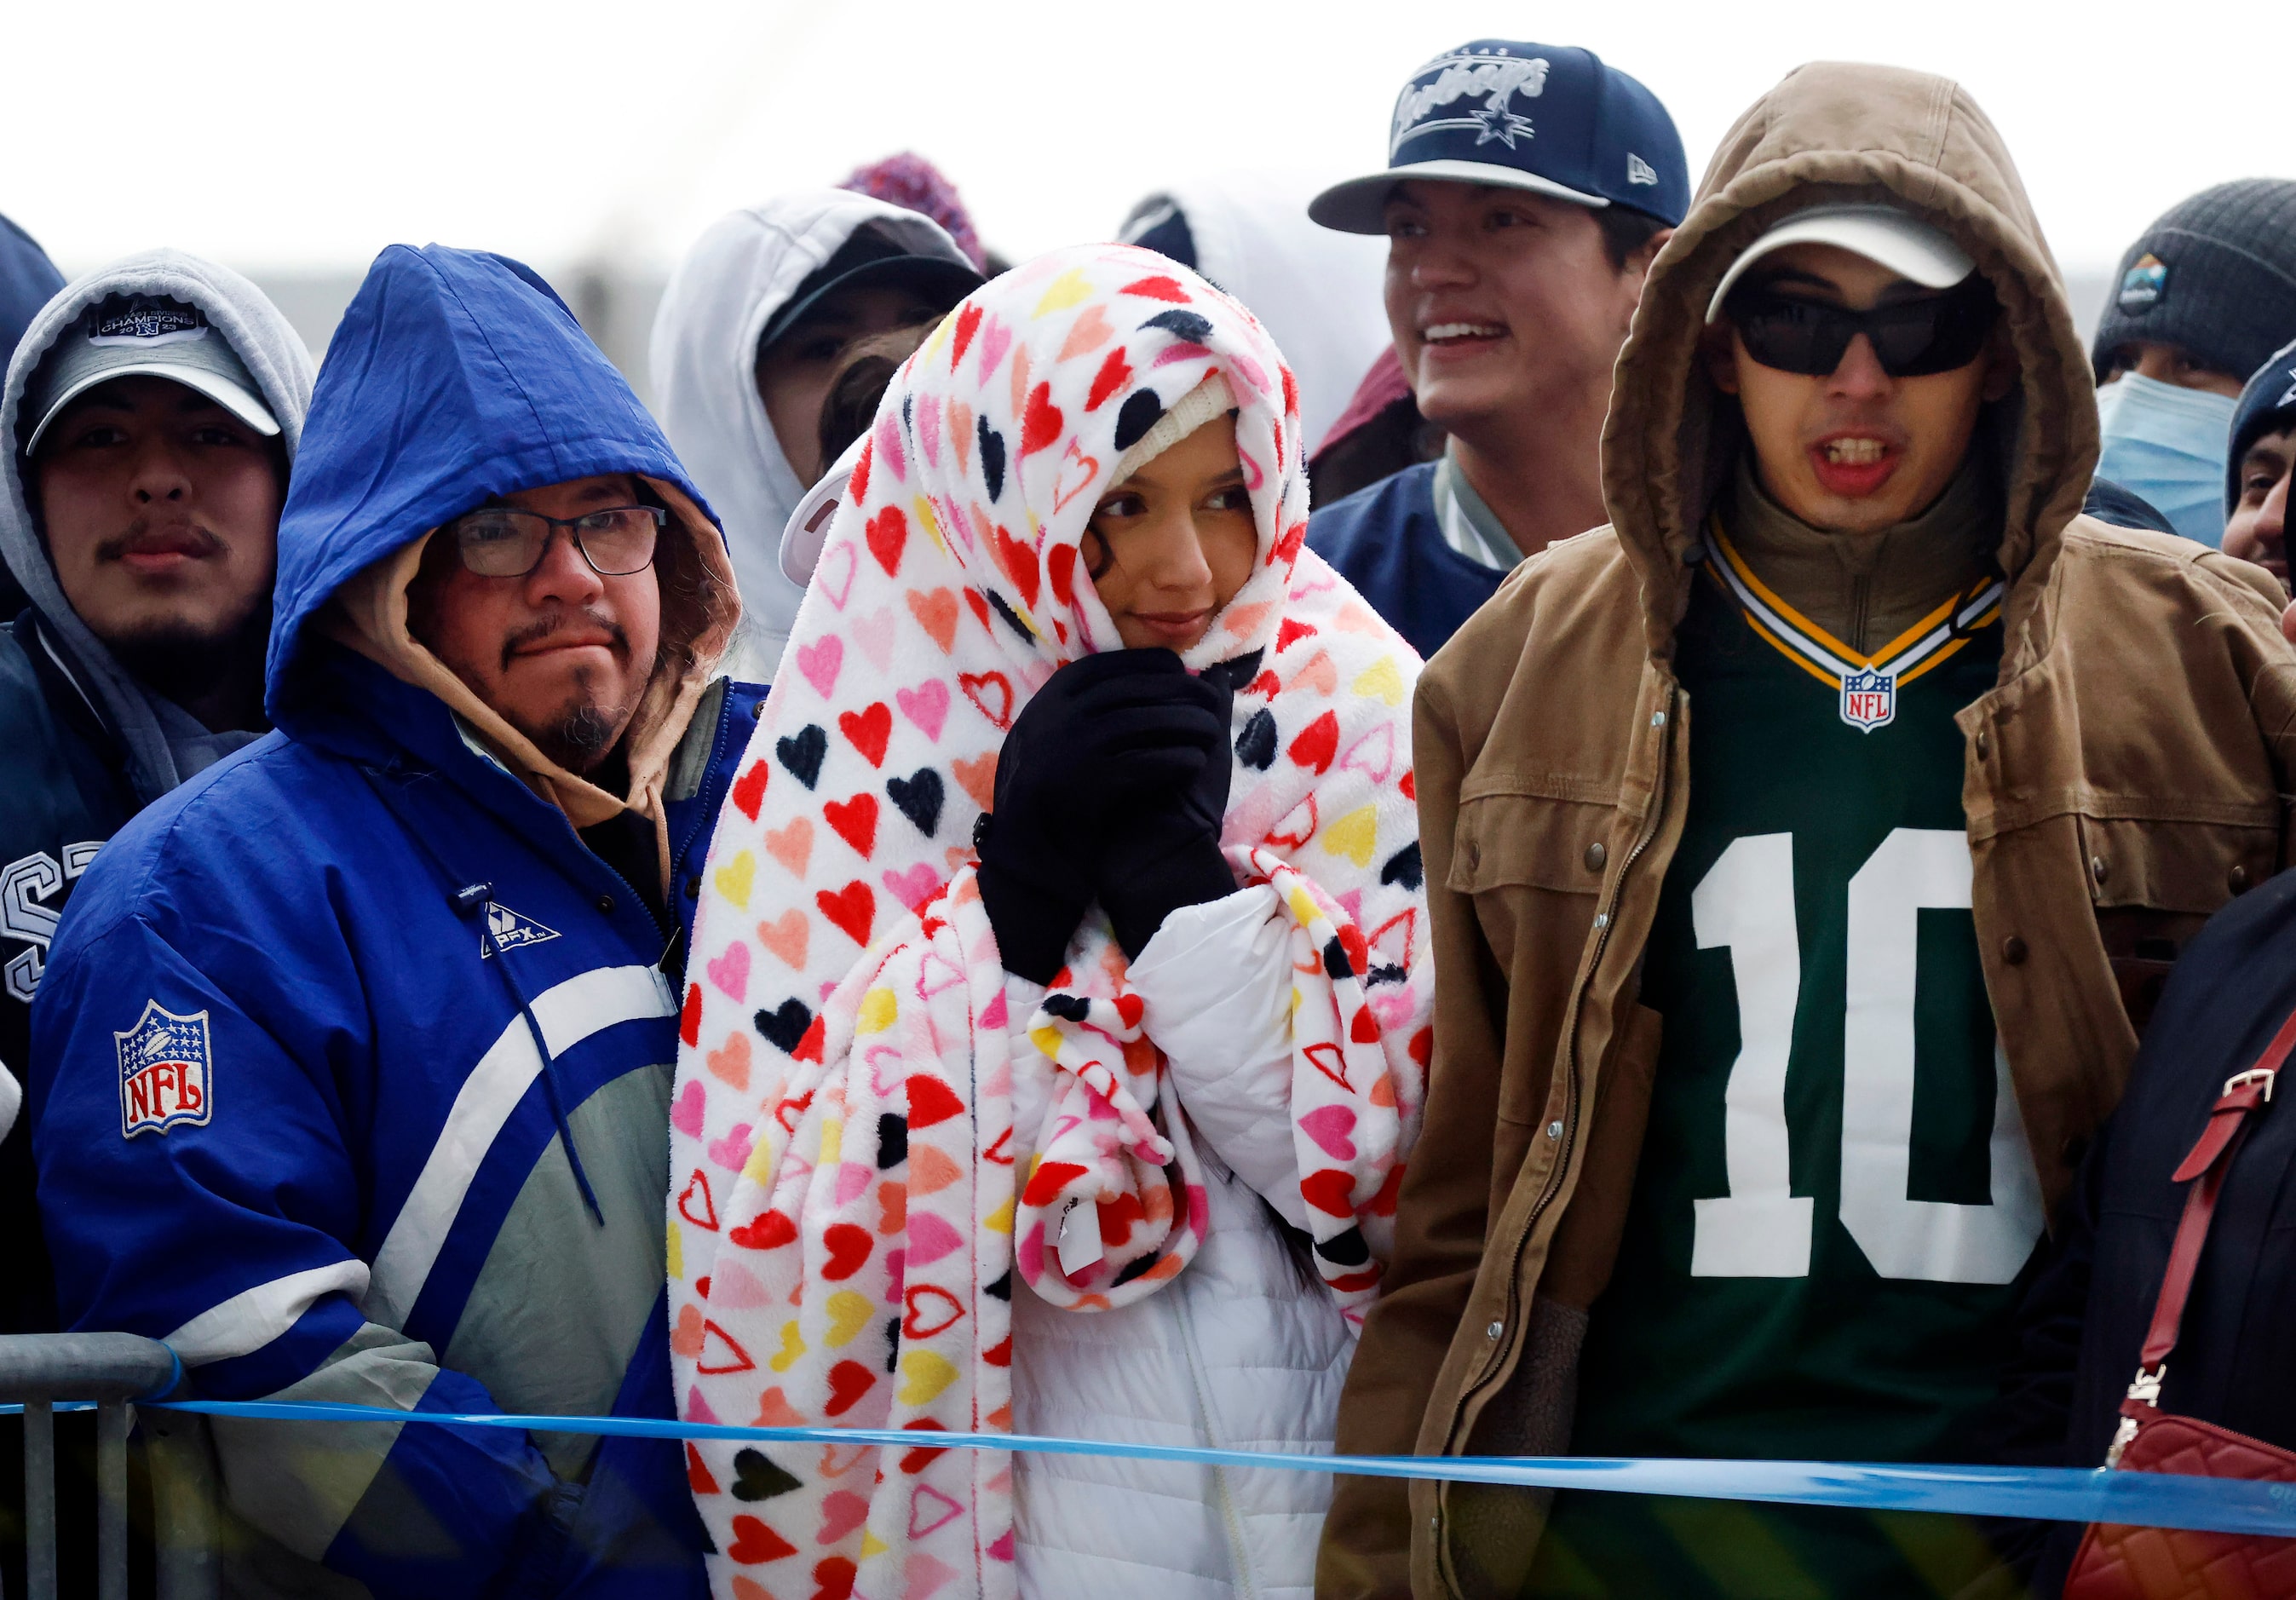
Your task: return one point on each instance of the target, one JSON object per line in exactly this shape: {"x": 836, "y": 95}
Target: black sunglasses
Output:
{"x": 1912, "y": 339}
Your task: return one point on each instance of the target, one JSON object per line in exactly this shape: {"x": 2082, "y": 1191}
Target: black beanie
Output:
{"x": 2266, "y": 406}
{"x": 2214, "y": 276}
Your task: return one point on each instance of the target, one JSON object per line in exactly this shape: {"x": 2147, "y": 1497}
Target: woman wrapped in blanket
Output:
{"x": 1059, "y": 1014}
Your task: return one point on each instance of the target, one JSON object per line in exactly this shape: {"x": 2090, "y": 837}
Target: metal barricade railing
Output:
{"x": 39, "y": 1371}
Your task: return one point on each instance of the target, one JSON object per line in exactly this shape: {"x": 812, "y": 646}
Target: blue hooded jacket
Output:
{"x": 291, "y": 1113}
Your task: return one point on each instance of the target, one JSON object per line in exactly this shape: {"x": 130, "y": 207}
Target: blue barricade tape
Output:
{"x": 2053, "y": 1494}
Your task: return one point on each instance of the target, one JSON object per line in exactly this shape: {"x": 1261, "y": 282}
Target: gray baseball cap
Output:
{"x": 143, "y": 335}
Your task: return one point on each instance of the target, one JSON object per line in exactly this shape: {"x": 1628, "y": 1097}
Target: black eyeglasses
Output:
{"x": 500, "y": 541}
{"x": 1912, "y": 339}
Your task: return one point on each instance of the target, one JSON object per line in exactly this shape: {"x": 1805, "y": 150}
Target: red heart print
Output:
{"x": 914, "y": 1462}
{"x": 697, "y": 1192}
{"x": 809, "y": 1048}
{"x": 931, "y": 1101}
{"x": 867, "y": 730}
{"x": 968, "y": 323}
{"x": 1159, "y": 288}
{"x": 1316, "y": 744}
{"x": 889, "y": 531}
{"x": 834, "y": 1579}
{"x": 858, "y": 486}
{"x": 1019, "y": 564}
{"x": 728, "y": 1355}
{"x": 1383, "y": 1204}
{"x": 1422, "y": 1046}
{"x": 1327, "y": 1060}
{"x": 1410, "y": 784}
{"x": 1060, "y": 567}
{"x": 848, "y": 1247}
{"x": 980, "y": 687}
{"x": 972, "y": 597}
{"x": 1287, "y": 548}
{"x": 1114, "y": 374}
{"x": 1364, "y": 1029}
{"x": 754, "y": 1542}
{"x": 855, "y": 822}
{"x": 1292, "y": 630}
{"x": 697, "y": 1475}
{"x": 768, "y": 1231}
{"x": 849, "y": 1381}
{"x": 1047, "y": 1182}
{"x": 750, "y": 790}
{"x": 1330, "y": 1191}
{"x": 854, "y": 910}
{"x": 931, "y": 1310}
{"x": 1041, "y": 423}
{"x": 689, "y": 1021}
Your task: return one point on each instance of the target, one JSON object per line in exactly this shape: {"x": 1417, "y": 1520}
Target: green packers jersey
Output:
{"x": 1835, "y": 1206}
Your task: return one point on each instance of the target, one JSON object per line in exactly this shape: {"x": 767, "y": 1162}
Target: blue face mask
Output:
{"x": 2167, "y": 444}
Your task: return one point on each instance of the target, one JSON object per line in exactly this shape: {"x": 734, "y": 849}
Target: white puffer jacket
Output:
{"x": 1240, "y": 1351}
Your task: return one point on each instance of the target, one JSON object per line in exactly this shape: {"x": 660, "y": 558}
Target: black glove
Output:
{"x": 1116, "y": 725}
{"x": 1160, "y": 837}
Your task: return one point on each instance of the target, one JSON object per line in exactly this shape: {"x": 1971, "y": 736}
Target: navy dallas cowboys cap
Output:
{"x": 1550, "y": 118}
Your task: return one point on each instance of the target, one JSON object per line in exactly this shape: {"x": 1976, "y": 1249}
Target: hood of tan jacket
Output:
{"x": 1838, "y": 133}
{"x": 2121, "y": 780}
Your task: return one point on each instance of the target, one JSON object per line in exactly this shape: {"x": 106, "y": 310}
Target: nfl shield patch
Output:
{"x": 165, "y": 1072}
{"x": 1869, "y": 699}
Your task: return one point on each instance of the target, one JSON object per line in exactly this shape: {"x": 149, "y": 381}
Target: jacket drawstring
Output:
{"x": 471, "y": 901}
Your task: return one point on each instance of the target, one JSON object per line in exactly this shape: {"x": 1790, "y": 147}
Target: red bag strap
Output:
{"x": 2208, "y": 1161}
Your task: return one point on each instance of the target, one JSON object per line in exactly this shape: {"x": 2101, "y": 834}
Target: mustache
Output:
{"x": 142, "y": 530}
{"x": 558, "y": 620}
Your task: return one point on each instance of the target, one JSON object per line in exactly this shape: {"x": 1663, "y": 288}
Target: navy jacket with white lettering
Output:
{"x": 292, "y": 1116}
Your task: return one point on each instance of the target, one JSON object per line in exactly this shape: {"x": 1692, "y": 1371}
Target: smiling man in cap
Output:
{"x": 1527, "y": 188}
{"x": 1768, "y": 1035}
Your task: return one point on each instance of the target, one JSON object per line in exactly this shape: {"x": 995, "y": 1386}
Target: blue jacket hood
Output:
{"x": 455, "y": 375}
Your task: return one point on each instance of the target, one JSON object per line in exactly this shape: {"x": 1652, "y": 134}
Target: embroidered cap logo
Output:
{"x": 1494, "y": 79}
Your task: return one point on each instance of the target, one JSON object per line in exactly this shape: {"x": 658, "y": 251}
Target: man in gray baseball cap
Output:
{"x": 149, "y": 416}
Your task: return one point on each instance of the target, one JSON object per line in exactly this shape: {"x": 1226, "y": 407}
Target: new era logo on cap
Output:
{"x": 1551, "y": 120}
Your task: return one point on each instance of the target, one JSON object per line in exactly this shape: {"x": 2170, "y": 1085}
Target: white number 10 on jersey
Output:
{"x": 1760, "y": 1229}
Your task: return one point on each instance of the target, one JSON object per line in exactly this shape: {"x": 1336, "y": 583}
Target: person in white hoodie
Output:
{"x": 747, "y": 343}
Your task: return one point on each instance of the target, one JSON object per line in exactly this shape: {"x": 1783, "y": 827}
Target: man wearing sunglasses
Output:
{"x": 361, "y": 1043}
{"x": 1803, "y": 851}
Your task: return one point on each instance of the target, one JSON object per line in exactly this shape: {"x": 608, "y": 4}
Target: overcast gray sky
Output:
{"x": 286, "y": 135}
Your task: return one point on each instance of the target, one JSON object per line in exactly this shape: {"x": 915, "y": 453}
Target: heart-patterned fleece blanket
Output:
{"x": 852, "y": 1200}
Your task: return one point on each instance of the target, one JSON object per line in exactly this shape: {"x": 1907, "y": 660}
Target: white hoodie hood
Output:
{"x": 704, "y": 362}
{"x": 1319, "y": 293}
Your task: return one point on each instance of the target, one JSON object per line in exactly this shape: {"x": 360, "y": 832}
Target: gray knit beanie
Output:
{"x": 2214, "y": 276}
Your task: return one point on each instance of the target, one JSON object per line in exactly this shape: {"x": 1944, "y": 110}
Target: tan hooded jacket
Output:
{"x": 2126, "y": 776}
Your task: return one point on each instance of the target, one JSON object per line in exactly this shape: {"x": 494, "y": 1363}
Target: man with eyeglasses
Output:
{"x": 361, "y": 1043}
{"x": 1803, "y": 852}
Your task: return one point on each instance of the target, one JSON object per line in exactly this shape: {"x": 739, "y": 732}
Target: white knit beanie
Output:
{"x": 1210, "y": 398}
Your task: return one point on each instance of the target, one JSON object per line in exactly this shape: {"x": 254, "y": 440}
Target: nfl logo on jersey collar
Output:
{"x": 165, "y": 1072}
{"x": 1867, "y": 685}
{"x": 1549, "y": 119}
{"x": 1869, "y": 699}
